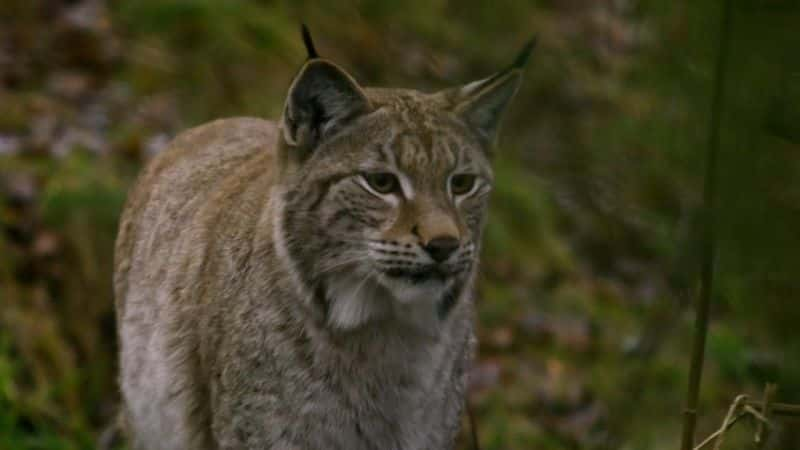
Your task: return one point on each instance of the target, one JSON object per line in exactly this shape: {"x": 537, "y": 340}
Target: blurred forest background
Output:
{"x": 591, "y": 262}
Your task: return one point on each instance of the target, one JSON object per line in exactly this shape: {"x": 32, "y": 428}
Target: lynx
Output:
{"x": 307, "y": 284}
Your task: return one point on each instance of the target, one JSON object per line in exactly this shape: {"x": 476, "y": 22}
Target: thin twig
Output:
{"x": 708, "y": 242}
{"x": 755, "y": 413}
{"x": 762, "y": 430}
{"x": 740, "y": 408}
{"x": 720, "y": 431}
{"x": 736, "y": 405}
{"x": 780, "y": 409}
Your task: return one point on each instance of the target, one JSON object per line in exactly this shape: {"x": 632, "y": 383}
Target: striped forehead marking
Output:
{"x": 423, "y": 144}
{"x": 435, "y": 155}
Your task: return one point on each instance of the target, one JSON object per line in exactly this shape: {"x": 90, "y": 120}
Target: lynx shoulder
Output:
{"x": 307, "y": 283}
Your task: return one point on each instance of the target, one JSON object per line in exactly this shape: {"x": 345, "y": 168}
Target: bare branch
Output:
{"x": 708, "y": 241}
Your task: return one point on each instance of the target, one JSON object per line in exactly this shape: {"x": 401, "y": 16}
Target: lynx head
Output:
{"x": 385, "y": 191}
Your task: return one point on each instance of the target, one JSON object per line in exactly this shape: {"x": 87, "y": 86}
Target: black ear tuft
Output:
{"x": 524, "y": 55}
{"x": 481, "y": 103}
{"x": 312, "y": 52}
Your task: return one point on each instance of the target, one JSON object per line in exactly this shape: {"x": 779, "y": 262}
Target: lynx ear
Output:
{"x": 481, "y": 103}
{"x": 321, "y": 99}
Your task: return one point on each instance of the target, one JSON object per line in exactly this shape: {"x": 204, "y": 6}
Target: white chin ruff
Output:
{"x": 355, "y": 300}
{"x": 407, "y": 293}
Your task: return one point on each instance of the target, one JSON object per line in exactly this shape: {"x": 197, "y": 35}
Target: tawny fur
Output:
{"x": 253, "y": 302}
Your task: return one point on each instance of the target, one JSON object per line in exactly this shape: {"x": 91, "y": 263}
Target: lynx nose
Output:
{"x": 441, "y": 248}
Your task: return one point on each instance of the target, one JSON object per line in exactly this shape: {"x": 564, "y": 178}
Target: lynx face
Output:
{"x": 385, "y": 192}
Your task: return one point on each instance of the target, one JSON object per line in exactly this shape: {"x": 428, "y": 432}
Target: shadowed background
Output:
{"x": 591, "y": 255}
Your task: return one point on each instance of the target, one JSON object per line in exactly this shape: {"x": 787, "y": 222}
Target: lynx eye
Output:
{"x": 462, "y": 183}
{"x": 382, "y": 182}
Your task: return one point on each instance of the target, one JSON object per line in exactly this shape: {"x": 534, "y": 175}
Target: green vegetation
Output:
{"x": 591, "y": 256}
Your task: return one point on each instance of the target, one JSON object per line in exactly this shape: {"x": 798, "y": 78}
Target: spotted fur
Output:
{"x": 270, "y": 297}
